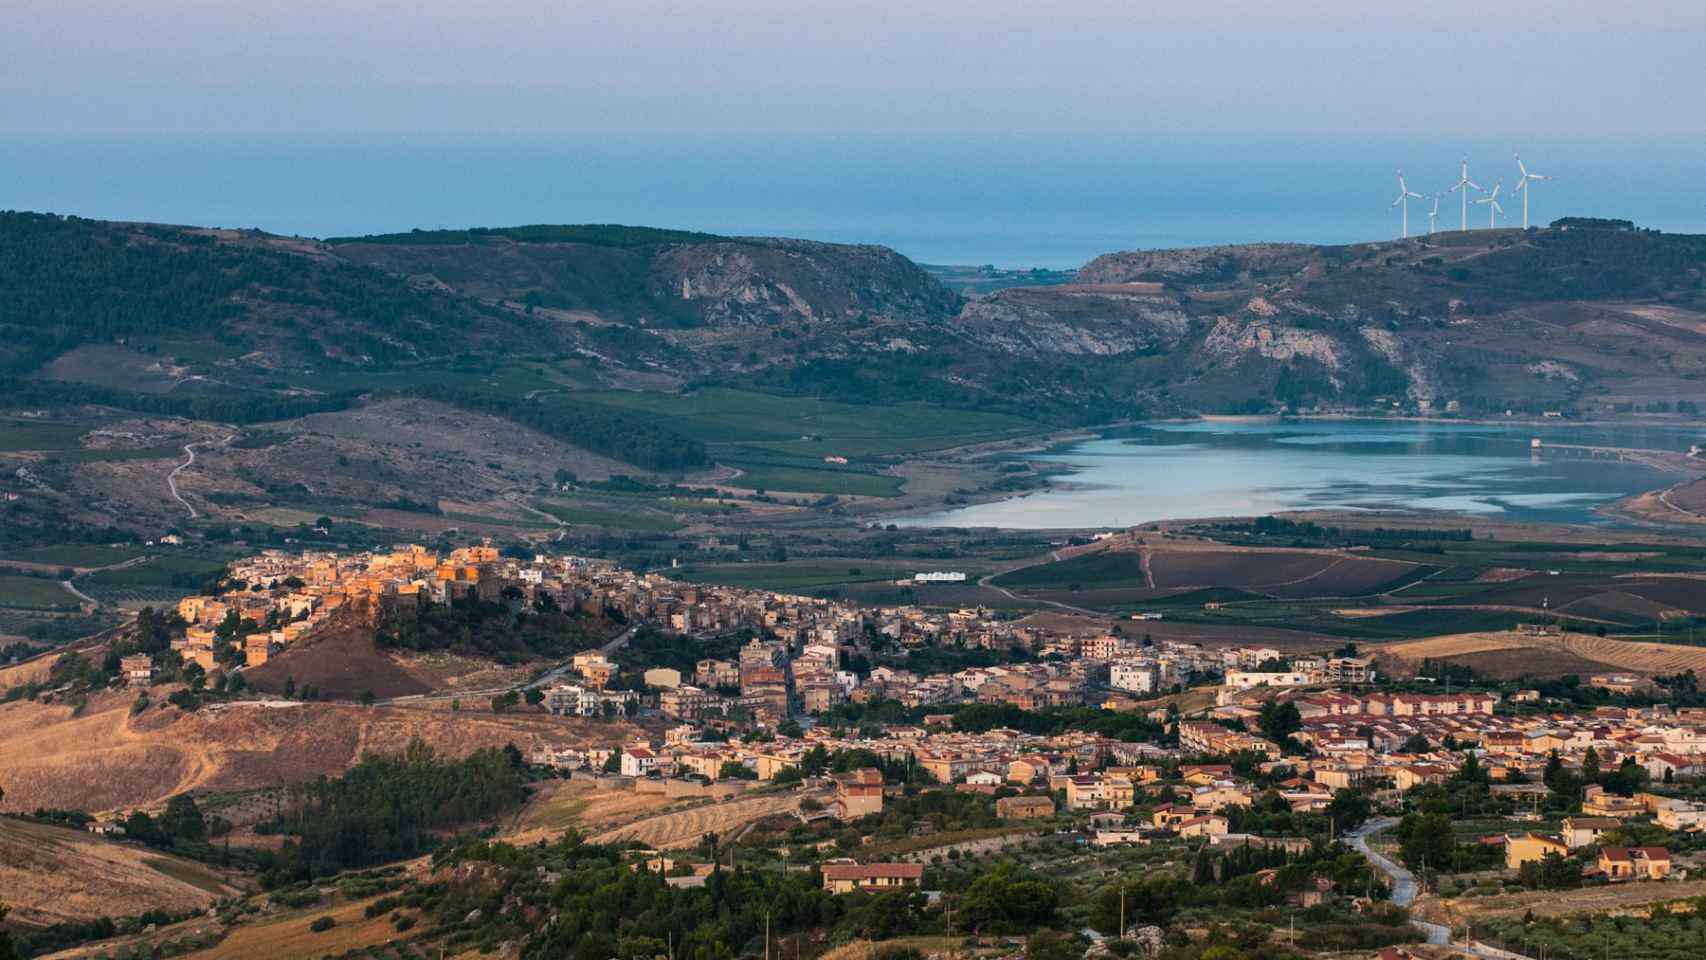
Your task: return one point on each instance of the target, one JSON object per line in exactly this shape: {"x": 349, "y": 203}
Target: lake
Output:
{"x": 1172, "y": 471}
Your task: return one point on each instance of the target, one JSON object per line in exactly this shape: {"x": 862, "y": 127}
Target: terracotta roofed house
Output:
{"x": 848, "y": 877}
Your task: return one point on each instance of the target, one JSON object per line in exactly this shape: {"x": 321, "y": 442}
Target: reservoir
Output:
{"x": 1175, "y": 471}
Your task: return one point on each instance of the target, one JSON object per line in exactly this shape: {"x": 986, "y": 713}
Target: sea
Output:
{"x": 1006, "y": 200}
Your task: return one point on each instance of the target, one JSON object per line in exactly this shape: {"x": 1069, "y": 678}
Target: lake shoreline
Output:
{"x": 1471, "y": 471}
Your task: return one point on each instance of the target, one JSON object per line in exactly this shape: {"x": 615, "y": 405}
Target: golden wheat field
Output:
{"x": 1630, "y": 655}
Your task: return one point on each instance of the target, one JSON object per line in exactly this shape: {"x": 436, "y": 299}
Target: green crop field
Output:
{"x": 616, "y": 519}
{"x": 34, "y": 593}
{"x": 773, "y": 477}
{"x": 39, "y": 435}
{"x": 75, "y": 555}
{"x": 720, "y": 415}
{"x": 167, "y": 452}
{"x": 794, "y": 576}
{"x": 1109, "y": 569}
{"x": 160, "y": 580}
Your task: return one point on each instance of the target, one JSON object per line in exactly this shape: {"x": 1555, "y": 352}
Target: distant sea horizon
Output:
{"x": 1011, "y": 202}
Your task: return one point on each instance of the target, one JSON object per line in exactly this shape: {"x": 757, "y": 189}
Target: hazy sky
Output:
{"x": 317, "y": 68}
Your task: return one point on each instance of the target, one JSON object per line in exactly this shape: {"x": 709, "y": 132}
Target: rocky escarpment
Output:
{"x": 678, "y": 281}
{"x": 764, "y": 281}
{"x": 1230, "y": 263}
{"x": 1074, "y": 320}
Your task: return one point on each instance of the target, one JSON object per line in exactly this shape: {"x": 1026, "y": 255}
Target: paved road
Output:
{"x": 1404, "y": 886}
{"x": 984, "y": 583}
{"x": 91, "y": 601}
{"x": 172, "y": 478}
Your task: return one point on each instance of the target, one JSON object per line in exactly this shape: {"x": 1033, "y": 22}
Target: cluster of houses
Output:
{"x": 797, "y": 666}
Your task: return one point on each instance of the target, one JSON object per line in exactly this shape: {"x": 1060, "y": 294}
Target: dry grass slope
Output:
{"x": 106, "y": 759}
{"x": 1634, "y": 656}
{"x": 54, "y": 874}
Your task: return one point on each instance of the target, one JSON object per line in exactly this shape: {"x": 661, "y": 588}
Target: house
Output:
{"x": 1030, "y": 768}
{"x": 137, "y": 668}
{"x": 983, "y": 778}
{"x": 1204, "y": 827}
{"x": 666, "y": 677}
{"x": 1597, "y": 803}
{"x": 858, "y": 793}
{"x": 1634, "y": 863}
{"x": 1109, "y": 838}
{"x": 1523, "y": 848}
{"x": 1582, "y": 831}
{"x": 1024, "y": 808}
{"x": 638, "y": 762}
{"x": 1681, "y": 815}
{"x": 1085, "y": 793}
{"x": 848, "y": 877}
{"x": 1168, "y": 817}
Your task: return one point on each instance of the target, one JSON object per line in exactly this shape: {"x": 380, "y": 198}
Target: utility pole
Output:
{"x": 766, "y": 935}
{"x": 1121, "y": 934}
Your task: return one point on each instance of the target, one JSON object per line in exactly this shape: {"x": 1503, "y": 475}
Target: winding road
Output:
{"x": 1404, "y": 886}
{"x": 189, "y": 461}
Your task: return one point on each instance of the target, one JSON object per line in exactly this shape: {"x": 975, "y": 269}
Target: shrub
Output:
{"x": 322, "y": 924}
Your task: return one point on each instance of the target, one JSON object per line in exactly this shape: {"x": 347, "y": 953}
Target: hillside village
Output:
{"x": 750, "y": 716}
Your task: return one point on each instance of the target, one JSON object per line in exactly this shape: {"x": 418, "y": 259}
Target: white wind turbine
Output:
{"x": 1522, "y": 185}
{"x": 1433, "y": 216}
{"x": 1493, "y": 208}
{"x": 1404, "y": 196}
{"x": 1464, "y": 184}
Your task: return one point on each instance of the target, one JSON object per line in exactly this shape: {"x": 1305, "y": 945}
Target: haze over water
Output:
{"x": 1190, "y": 470}
{"x": 1038, "y": 200}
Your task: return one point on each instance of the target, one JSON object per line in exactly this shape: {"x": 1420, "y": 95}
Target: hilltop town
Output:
{"x": 798, "y": 684}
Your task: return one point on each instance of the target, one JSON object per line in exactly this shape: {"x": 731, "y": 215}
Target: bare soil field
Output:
{"x": 1552, "y": 903}
{"x": 106, "y": 759}
{"x": 583, "y": 803}
{"x": 342, "y": 662}
{"x": 421, "y": 429}
{"x": 1546, "y": 664}
{"x": 684, "y": 828}
{"x": 1632, "y": 656}
{"x": 290, "y": 936}
{"x": 1246, "y": 569}
{"x": 55, "y": 874}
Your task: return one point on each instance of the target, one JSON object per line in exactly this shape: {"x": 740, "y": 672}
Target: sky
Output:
{"x": 1006, "y": 132}
{"x": 455, "y": 68}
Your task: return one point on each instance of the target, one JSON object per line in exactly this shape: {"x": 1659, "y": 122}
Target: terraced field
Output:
{"x": 1536, "y": 650}
{"x": 684, "y": 828}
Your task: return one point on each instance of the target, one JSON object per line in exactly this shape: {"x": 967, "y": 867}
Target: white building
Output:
{"x": 638, "y": 762}
{"x": 1245, "y": 679}
{"x": 1136, "y": 676}
{"x": 939, "y": 576}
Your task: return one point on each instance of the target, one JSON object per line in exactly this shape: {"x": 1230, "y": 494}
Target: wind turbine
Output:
{"x": 1493, "y": 208}
{"x": 1433, "y": 216}
{"x": 1464, "y": 182}
{"x": 1404, "y": 195}
{"x": 1522, "y": 185}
